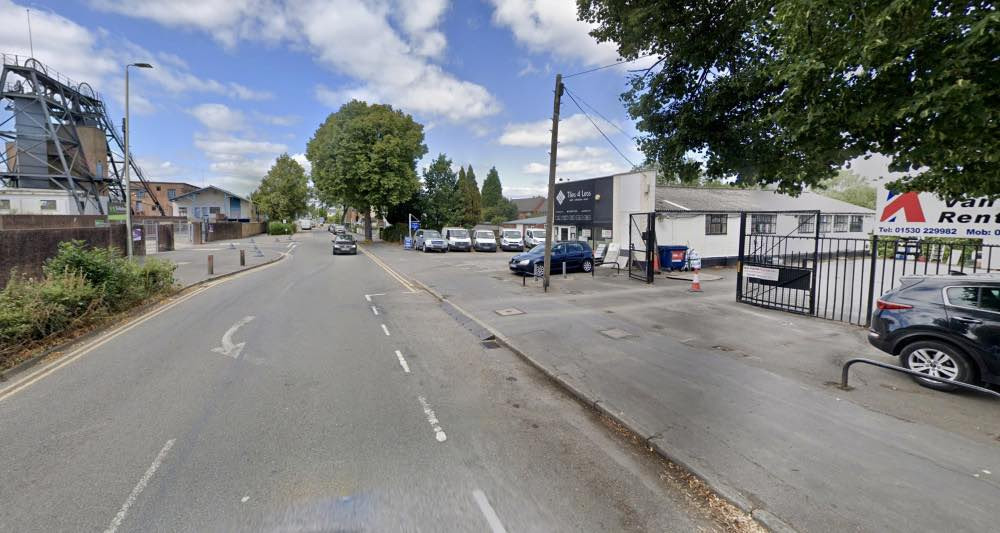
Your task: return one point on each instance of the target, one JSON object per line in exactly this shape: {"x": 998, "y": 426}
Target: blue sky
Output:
{"x": 238, "y": 82}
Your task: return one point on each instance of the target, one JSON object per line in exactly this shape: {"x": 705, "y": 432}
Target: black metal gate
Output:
{"x": 641, "y": 246}
{"x": 777, "y": 271}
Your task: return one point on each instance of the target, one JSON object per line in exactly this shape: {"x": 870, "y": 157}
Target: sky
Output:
{"x": 236, "y": 83}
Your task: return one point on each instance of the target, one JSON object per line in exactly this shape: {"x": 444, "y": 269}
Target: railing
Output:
{"x": 23, "y": 61}
{"x": 847, "y": 367}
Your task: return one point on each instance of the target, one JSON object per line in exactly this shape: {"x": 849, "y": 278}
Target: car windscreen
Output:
{"x": 537, "y": 233}
{"x": 512, "y": 234}
{"x": 484, "y": 234}
{"x": 540, "y": 249}
{"x": 345, "y": 238}
{"x": 432, "y": 235}
{"x": 458, "y": 233}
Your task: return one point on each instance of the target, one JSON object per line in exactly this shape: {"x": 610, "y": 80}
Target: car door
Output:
{"x": 418, "y": 238}
{"x": 974, "y": 313}
{"x": 574, "y": 255}
{"x": 558, "y": 258}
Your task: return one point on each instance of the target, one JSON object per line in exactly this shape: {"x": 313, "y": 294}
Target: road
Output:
{"x": 317, "y": 393}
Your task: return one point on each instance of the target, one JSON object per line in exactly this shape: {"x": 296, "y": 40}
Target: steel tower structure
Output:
{"x": 58, "y": 135}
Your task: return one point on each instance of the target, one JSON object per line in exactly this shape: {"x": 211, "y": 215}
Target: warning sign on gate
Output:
{"x": 769, "y": 274}
{"x": 914, "y": 214}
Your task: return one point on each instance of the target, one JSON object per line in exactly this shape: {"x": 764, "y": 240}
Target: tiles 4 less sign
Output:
{"x": 912, "y": 214}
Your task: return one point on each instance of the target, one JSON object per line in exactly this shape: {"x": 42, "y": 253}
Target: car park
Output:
{"x": 575, "y": 255}
{"x": 428, "y": 240}
{"x": 943, "y": 326}
{"x": 458, "y": 239}
{"x": 344, "y": 244}
{"x": 484, "y": 240}
{"x": 511, "y": 240}
{"x": 533, "y": 237}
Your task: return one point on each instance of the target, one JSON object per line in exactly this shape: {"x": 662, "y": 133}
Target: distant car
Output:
{"x": 942, "y": 326}
{"x": 305, "y": 224}
{"x": 339, "y": 229}
{"x": 576, "y": 255}
{"x": 332, "y": 228}
{"x": 344, "y": 244}
{"x": 484, "y": 240}
{"x": 428, "y": 240}
{"x": 458, "y": 239}
{"x": 533, "y": 237}
{"x": 511, "y": 240}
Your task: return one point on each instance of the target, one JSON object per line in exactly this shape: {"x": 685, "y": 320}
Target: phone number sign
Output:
{"x": 924, "y": 214}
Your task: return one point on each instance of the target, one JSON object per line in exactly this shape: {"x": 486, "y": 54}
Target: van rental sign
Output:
{"x": 925, "y": 215}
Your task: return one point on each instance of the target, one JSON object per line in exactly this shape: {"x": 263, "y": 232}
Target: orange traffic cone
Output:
{"x": 695, "y": 283}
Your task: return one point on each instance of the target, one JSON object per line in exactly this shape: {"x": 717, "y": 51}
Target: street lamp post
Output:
{"x": 128, "y": 183}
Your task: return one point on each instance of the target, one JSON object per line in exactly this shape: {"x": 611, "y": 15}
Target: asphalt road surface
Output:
{"x": 319, "y": 393}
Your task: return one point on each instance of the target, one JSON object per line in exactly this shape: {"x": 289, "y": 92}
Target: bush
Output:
{"x": 280, "y": 228}
{"x": 394, "y": 233}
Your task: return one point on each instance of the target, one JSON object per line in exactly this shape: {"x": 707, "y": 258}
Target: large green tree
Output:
{"x": 470, "y": 203}
{"x": 283, "y": 194}
{"x": 367, "y": 156}
{"x": 785, "y": 92}
{"x": 492, "y": 192}
{"x": 851, "y": 188}
{"x": 440, "y": 205}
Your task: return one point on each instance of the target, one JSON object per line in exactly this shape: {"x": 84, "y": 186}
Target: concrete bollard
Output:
{"x": 211, "y": 264}
{"x": 243, "y": 258}
{"x": 564, "y": 270}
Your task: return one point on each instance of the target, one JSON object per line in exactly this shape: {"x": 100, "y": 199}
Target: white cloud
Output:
{"x": 551, "y": 27}
{"x": 386, "y": 46}
{"x": 245, "y": 93}
{"x": 580, "y": 162}
{"x": 219, "y": 117}
{"x": 235, "y": 162}
{"x": 300, "y": 158}
{"x": 538, "y": 133}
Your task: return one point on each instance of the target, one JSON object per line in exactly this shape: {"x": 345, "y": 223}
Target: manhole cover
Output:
{"x": 510, "y": 311}
{"x": 615, "y": 333}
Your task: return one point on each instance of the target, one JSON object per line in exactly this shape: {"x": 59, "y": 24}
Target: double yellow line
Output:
{"x": 398, "y": 277}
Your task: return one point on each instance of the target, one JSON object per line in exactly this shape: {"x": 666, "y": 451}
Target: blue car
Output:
{"x": 576, "y": 255}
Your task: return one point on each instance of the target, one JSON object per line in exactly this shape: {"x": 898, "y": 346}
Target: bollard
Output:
{"x": 243, "y": 258}
{"x": 564, "y": 270}
{"x": 211, "y": 264}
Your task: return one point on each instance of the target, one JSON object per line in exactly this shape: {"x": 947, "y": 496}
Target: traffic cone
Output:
{"x": 695, "y": 283}
{"x": 656, "y": 263}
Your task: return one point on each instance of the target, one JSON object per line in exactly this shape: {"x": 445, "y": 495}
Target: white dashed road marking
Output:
{"x": 369, "y": 296}
{"x": 491, "y": 516}
{"x": 375, "y": 310}
{"x": 432, "y": 419}
{"x": 402, "y": 362}
{"x": 143, "y": 481}
{"x": 386, "y": 330}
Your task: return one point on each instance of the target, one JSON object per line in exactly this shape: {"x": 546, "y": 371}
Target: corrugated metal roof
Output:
{"x": 670, "y": 198}
{"x": 532, "y": 220}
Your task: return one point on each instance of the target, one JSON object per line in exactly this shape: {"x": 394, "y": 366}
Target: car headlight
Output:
{"x": 524, "y": 262}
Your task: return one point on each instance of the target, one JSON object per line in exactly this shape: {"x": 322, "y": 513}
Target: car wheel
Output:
{"x": 539, "y": 270}
{"x": 939, "y": 360}
{"x": 588, "y": 265}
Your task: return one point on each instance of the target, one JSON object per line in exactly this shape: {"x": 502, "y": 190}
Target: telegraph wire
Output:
{"x": 598, "y": 128}
{"x": 615, "y": 64}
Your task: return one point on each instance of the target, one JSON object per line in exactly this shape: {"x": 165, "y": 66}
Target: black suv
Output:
{"x": 942, "y": 326}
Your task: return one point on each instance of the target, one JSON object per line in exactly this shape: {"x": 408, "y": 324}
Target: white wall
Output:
{"x": 208, "y": 199}
{"x": 633, "y": 193}
{"x": 29, "y": 202}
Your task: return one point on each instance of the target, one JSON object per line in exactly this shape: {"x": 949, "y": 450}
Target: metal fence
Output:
{"x": 641, "y": 246}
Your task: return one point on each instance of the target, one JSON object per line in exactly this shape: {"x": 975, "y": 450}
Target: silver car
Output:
{"x": 429, "y": 240}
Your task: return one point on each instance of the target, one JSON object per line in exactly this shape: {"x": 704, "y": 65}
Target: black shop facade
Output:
{"x": 584, "y": 210}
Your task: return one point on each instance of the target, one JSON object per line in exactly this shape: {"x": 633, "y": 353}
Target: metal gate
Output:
{"x": 183, "y": 235}
{"x": 777, "y": 271}
{"x": 150, "y": 231}
{"x": 641, "y": 246}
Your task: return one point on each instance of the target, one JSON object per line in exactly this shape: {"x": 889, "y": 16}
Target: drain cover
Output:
{"x": 510, "y": 311}
{"x": 615, "y": 333}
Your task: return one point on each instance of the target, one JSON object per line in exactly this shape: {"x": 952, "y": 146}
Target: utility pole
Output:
{"x": 550, "y": 211}
{"x": 127, "y": 130}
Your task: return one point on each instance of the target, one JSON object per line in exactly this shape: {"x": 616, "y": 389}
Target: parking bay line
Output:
{"x": 402, "y": 362}
{"x": 375, "y": 310}
{"x": 386, "y": 330}
{"x": 491, "y": 516}
{"x": 139, "y": 487}
{"x": 369, "y": 296}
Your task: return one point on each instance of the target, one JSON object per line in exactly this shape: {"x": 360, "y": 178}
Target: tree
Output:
{"x": 283, "y": 194}
{"x": 786, "y": 92}
{"x": 366, "y": 155}
{"x": 470, "y": 203}
{"x": 492, "y": 192}
{"x": 440, "y": 205}
{"x": 849, "y": 187}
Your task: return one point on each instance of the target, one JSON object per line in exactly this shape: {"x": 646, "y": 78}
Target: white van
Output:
{"x": 458, "y": 239}
{"x": 305, "y": 223}
{"x": 533, "y": 237}
{"x": 510, "y": 239}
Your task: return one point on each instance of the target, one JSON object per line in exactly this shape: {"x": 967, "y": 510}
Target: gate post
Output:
{"x": 815, "y": 268}
{"x": 871, "y": 280}
{"x": 742, "y": 256}
{"x": 650, "y": 245}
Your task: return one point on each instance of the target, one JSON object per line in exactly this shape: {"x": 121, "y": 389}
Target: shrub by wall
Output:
{"x": 280, "y": 228}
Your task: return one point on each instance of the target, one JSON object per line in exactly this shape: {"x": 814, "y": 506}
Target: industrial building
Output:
{"x": 145, "y": 199}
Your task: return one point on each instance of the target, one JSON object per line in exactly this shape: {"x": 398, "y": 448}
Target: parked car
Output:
{"x": 305, "y": 224}
{"x": 484, "y": 240}
{"x": 340, "y": 230}
{"x": 429, "y": 240}
{"x": 577, "y": 255}
{"x": 510, "y": 239}
{"x": 332, "y": 228}
{"x": 533, "y": 237}
{"x": 458, "y": 239}
{"x": 942, "y": 326}
{"x": 344, "y": 244}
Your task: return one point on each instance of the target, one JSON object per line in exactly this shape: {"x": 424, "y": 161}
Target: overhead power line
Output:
{"x": 598, "y": 128}
{"x": 598, "y": 113}
{"x": 615, "y": 64}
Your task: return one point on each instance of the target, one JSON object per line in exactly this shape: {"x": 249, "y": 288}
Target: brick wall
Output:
{"x": 227, "y": 231}
{"x": 27, "y": 249}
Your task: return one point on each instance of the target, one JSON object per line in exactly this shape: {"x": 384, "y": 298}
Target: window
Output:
{"x": 716, "y": 224}
{"x": 214, "y": 210}
{"x": 48, "y": 205}
{"x": 986, "y": 298}
{"x": 575, "y": 247}
{"x": 824, "y": 223}
{"x": 807, "y": 224}
{"x": 157, "y": 188}
{"x": 989, "y": 299}
{"x": 139, "y": 194}
{"x": 762, "y": 224}
{"x": 171, "y": 194}
{"x": 840, "y": 223}
{"x": 197, "y": 212}
{"x": 4, "y": 205}
{"x": 182, "y": 211}
{"x": 559, "y": 248}
{"x": 857, "y": 223}
{"x": 138, "y": 205}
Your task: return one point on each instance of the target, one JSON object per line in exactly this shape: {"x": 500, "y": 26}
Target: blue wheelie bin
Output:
{"x": 672, "y": 257}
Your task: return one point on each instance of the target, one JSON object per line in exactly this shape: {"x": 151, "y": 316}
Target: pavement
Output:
{"x": 742, "y": 396}
{"x": 192, "y": 260}
{"x": 318, "y": 393}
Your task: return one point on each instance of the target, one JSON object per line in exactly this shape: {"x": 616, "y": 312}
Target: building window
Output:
{"x": 5, "y": 205}
{"x": 763, "y": 224}
{"x": 857, "y": 223}
{"x": 139, "y": 194}
{"x": 182, "y": 211}
{"x": 48, "y": 205}
{"x": 807, "y": 224}
{"x": 716, "y": 224}
{"x": 157, "y": 188}
{"x": 824, "y": 224}
{"x": 138, "y": 206}
{"x": 214, "y": 210}
{"x": 171, "y": 194}
{"x": 840, "y": 223}
{"x": 197, "y": 212}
